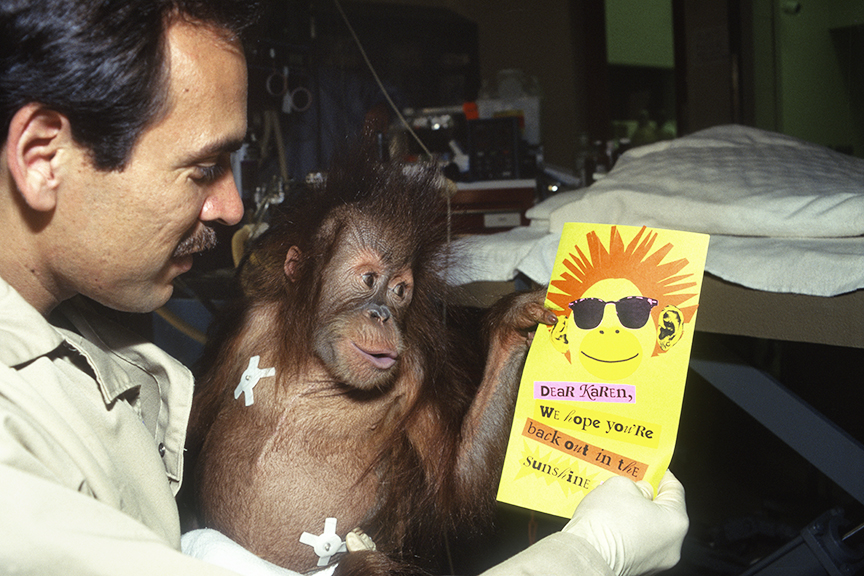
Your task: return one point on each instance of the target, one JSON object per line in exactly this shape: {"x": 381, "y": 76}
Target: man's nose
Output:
{"x": 223, "y": 204}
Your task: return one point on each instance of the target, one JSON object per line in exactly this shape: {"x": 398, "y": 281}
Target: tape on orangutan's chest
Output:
{"x": 250, "y": 378}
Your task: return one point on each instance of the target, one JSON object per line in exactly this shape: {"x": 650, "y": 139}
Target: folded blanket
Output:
{"x": 784, "y": 215}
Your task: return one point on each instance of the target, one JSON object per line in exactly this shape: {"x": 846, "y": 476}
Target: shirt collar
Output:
{"x": 119, "y": 361}
{"x": 25, "y": 333}
{"x": 112, "y": 367}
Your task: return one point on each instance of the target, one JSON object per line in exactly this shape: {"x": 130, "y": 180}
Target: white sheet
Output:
{"x": 493, "y": 257}
{"x": 784, "y": 215}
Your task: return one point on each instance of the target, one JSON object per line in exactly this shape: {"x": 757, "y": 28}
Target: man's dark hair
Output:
{"x": 101, "y": 63}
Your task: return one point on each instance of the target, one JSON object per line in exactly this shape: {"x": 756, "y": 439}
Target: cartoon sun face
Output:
{"x": 620, "y": 302}
{"x": 610, "y": 329}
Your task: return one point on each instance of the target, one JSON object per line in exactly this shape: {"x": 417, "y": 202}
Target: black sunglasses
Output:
{"x": 633, "y": 311}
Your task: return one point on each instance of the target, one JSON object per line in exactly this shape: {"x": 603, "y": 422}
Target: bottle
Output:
{"x": 580, "y": 163}
{"x": 598, "y": 162}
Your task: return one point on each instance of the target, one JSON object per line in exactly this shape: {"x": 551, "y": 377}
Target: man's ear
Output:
{"x": 37, "y": 136}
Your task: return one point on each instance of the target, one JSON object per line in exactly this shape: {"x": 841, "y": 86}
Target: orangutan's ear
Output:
{"x": 292, "y": 261}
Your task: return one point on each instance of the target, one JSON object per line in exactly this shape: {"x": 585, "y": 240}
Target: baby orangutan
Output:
{"x": 355, "y": 406}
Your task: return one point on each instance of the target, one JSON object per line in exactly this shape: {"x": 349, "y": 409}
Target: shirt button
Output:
{"x": 161, "y": 450}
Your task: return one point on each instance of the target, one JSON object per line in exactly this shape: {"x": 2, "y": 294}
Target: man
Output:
{"x": 118, "y": 118}
{"x": 118, "y": 121}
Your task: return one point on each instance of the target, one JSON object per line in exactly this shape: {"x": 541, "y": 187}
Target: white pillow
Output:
{"x": 731, "y": 180}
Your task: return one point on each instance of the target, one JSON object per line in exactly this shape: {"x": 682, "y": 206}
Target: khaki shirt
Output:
{"x": 92, "y": 428}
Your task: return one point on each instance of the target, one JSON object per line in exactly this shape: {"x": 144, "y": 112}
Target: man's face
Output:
{"x": 130, "y": 233}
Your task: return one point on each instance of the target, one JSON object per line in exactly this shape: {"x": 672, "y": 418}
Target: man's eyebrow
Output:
{"x": 216, "y": 148}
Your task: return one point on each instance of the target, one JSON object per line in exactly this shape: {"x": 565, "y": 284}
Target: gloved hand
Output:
{"x": 635, "y": 534}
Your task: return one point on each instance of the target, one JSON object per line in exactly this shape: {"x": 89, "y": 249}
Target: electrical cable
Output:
{"x": 378, "y": 79}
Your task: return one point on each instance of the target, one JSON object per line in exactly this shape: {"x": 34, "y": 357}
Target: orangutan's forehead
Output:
{"x": 365, "y": 232}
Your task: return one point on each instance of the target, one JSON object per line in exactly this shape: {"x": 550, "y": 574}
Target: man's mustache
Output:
{"x": 204, "y": 240}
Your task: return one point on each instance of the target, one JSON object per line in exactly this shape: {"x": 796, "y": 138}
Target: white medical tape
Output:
{"x": 250, "y": 378}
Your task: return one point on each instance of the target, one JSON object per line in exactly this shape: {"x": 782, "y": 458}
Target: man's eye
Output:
{"x": 208, "y": 174}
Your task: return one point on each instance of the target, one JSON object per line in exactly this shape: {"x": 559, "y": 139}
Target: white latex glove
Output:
{"x": 635, "y": 534}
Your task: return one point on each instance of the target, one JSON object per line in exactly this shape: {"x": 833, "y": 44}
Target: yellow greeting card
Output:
{"x": 601, "y": 391}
